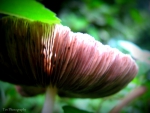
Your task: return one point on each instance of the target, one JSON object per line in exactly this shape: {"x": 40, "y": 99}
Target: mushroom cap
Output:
{"x": 38, "y": 54}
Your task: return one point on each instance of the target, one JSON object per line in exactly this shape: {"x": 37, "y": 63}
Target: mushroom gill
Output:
{"x": 84, "y": 65}
{"x": 39, "y": 54}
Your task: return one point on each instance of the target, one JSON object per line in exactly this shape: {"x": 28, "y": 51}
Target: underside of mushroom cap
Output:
{"x": 84, "y": 65}
{"x": 21, "y": 51}
{"x": 37, "y": 54}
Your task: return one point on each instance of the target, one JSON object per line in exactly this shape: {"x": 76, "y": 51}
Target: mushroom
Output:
{"x": 52, "y": 57}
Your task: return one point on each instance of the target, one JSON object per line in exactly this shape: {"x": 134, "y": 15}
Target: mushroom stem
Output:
{"x": 130, "y": 97}
{"x": 49, "y": 100}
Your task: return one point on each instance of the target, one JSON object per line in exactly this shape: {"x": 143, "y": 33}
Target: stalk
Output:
{"x": 49, "y": 100}
{"x": 129, "y": 98}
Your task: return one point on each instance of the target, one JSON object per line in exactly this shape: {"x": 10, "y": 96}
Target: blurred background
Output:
{"x": 122, "y": 24}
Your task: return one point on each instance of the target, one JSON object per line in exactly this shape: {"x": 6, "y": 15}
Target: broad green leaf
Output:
{"x": 28, "y": 9}
{"x": 70, "y": 109}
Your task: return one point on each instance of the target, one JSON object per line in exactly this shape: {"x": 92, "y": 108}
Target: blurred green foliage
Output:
{"x": 109, "y": 22}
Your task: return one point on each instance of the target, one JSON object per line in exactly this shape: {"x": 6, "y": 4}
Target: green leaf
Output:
{"x": 70, "y": 109}
{"x": 28, "y": 9}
